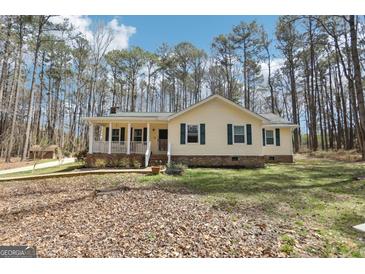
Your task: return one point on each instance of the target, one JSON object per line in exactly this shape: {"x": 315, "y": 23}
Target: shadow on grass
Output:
{"x": 344, "y": 222}
{"x": 253, "y": 182}
{"x": 320, "y": 191}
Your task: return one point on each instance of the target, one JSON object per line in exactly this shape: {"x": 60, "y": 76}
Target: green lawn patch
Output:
{"x": 55, "y": 169}
{"x": 319, "y": 198}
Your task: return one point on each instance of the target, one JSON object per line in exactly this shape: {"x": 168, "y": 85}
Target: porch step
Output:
{"x": 158, "y": 159}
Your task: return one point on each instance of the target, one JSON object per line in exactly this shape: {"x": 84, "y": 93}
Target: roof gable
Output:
{"x": 216, "y": 96}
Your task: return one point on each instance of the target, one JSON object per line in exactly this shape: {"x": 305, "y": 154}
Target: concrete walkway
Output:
{"x": 38, "y": 166}
{"x": 146, "y": 170}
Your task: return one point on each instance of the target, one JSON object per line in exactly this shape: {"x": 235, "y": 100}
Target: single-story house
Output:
{"x": 212, "y": 132}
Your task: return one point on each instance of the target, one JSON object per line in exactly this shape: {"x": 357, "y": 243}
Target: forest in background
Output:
{"x": 51, "y": 76}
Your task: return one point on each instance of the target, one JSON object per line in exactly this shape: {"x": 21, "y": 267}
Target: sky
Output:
{"x": 149, "y": 32}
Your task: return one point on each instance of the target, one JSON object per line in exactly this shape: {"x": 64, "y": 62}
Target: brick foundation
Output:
{"x": 112, "y": 160}
{"x": 279, "y": 159}
{"x": 219, "y": 161}
{"x": 158, "y": 159}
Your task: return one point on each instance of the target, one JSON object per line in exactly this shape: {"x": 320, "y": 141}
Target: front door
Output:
{"x": 162, "y": 139}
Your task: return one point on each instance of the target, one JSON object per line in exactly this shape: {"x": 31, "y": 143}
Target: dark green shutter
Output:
{"x": 122, "y": 134}
{"x": 182, "y": 134}
{"x": 249, "y": 134}
{"x": 202, "y": 134}
{"x": 277, "y": 135}
{"x": 229, "y": 134}
{"x": 244, "y": 133}
{"x": 131, "y": 134}
{"x": 263, "y": 137}
{"x": 107, "y": 134}
{"x": 144, "y": 134}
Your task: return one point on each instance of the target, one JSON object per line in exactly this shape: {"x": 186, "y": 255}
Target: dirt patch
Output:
{"x": 14, "y": 163}
{"x": 113, "y": 216}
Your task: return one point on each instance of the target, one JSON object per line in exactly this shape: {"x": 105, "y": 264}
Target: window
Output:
{"x": 137, "y": 135}
{"x": 115, "y": 134}
{"x": 239, "y": 134}
{"x": 193, "y": 134}
{"x": 269, "y": 137}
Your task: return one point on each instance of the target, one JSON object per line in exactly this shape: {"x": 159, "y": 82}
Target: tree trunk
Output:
{"x": 42, "y": 21}
{"x": 358, "y": 80}
{"x": 17, "y": 90}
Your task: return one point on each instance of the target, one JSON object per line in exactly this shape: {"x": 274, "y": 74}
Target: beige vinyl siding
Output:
{"x": 215, "y": 114}
{"x": 285, "y": 147}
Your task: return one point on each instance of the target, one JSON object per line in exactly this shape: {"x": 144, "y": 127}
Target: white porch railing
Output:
{"x": 119, "y": 147}
{"x": 147, "y": 154}
{"x": 169, "y": 153}
{"x": 138, "y": 147}
{"x": 100, "y": 147}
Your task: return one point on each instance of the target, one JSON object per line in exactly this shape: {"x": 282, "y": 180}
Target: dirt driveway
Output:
{"x": 70, "y": 218}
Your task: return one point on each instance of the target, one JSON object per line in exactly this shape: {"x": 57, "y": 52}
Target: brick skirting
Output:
{"x": 279, "y": 159}
{"x": 158, "y": 159}
{"x": 194, "y": 160}
{"x": 219, "y": 161}
{"x": 111, "y": 159}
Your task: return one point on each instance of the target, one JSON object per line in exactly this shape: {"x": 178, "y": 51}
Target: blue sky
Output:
{"x": 152, "y": 31}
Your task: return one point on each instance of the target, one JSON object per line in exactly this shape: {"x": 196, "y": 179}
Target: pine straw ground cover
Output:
{"x": 303, "y": 210}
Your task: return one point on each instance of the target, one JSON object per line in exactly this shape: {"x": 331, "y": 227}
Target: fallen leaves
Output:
{"x": 113, "y": 216}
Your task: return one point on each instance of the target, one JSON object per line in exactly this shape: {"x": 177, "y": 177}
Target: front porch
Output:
{"x": 142, "y": 138}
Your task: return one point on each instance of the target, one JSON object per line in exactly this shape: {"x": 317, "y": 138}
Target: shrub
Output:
{"x": 81, "y": 155}
{"x": 123, "y": 163}
{"x": 100, "y": 163}
{"x": 175, "y": 169}
{"x": 287, "y": 244}
{"x": 136, "y": 163}
{"x": 66, "y": 153}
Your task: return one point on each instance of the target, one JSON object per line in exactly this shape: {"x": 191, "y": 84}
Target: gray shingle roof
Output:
{"x": 141, "y": 114}
{"x": 275, "y": 119}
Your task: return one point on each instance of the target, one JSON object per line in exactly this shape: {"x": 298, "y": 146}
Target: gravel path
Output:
{"x": 69, "y": 218}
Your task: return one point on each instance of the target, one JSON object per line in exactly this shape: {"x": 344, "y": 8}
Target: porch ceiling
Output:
{"x": 125, "y": 120}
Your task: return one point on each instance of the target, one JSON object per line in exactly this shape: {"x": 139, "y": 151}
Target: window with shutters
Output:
{"x": 239, "y": 134}
{"x": 192, "y": 134}
{"x": 137, "y": 136}
{"x": 115, "y": 134}
{"x": 269, "y": 137}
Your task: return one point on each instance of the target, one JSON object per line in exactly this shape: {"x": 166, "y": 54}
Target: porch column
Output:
{"x": 110, "y": 139}
{"x": 91, "y": 137}
{"x": 129, "y": 139}
{"x": 148, "y": 132}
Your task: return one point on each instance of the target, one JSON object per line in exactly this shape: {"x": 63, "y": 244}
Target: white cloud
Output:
{"x": 122, "y": 33}
{"x": 83, "y": 24}
{"x": 276, "y": 64}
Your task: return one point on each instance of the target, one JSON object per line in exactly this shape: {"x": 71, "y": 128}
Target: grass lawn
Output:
{"x": 319, "y": 200}
{"x": 306, "y": 209}
{"x": 55, "y": 169}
